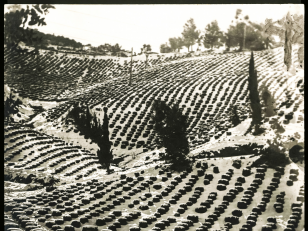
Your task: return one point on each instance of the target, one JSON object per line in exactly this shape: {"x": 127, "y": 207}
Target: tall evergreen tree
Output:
{"x": 254, "y": 95}
{"x": 170, "y": 126}
{"x": 90, "y": 126}
{"x": 105, "y": 153}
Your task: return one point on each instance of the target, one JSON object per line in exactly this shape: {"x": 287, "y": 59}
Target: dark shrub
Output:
{"x": 143, "y": 207}
{"x": 266, "y": 228}
{"x": 216, "y": 169}
{"x": 272, "y": 220}
{"x": 200, "y": 173}
{"x": 69, "y": 228}
{"x": 241, "y": 179}
{"x": 76, "y": 224}
{"x": 179, "y": 228}
{"x": 157, "y": 186}
{"x": 89, "y": 228}
{"x": 206, "y": 182}
{"x": 201, "y": 209}
{"x": 237, "y": 164}
{"x": 293, "y": 222}
{"x": 234, "y": 220}
{"x": 49, "y": 224}
{"x": 193, "y": 218}
{"x": 143, "y": 224}
{"x": 100, "y": 222}
{"x": 272, "y": 156}
{"x": 237, "y": 213}
{"x": 289, "y": 182}
{"x": 293, "y": 177}
{"x": 221, "y": 187}
{"x": 246, "y": 172}
{"x": 242, "y": 205}
{"x": 208, "y": 177}
{"x": 56, "y": 212}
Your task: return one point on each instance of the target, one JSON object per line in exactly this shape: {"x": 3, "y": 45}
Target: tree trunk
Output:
{"x": 254, "y": 94}
{"x": 108, "y": 168}
{"x": 288, "y": 48}
{"x": 23, "y": 79}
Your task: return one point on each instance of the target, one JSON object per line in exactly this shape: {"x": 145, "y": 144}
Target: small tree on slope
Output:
{"x": 234, "y": 117}
{"x": 254, "y": 96}
{"x": 171, "y": 125}
{"x": 274, "y": 155}
{"x": 268, "y": 102}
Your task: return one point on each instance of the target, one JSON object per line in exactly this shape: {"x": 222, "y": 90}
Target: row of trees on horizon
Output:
{"x": 242, "y": 33}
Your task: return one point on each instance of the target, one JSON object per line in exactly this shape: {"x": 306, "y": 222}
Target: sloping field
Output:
{"x": 32, "y": 152}
{"x": 216, "y": 194}
{"x": 206, "y": 88}
{"x": 49, "y": 76}
{"x": 211, "y": 196}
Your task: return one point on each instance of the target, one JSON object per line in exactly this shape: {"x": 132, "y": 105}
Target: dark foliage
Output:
{"x": 164, "y": 48}
{"x": 254, "y": 95}
{"x": 170, "y": 126}
{"x": 272, "y": 156}
{"x": 50, "y": 39}
{"x": 239, "y": 150}
{"x": 268, "y": 102}
{"x": 11, "y": 107}
{"x": 37, "y": 110}
{"x": 89, "y": 125}
{"x": 234, "y": 117}
{"x": 296, "y": 153}
{"x": 16, "y": 29}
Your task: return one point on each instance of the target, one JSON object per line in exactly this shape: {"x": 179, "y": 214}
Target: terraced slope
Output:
{"x": 31, "y": 151}
{"x": 206, "y": 88}
{"x": 215, "y": 194}
{"x": 211, "y": 196}
{"x": 59, "y": 73}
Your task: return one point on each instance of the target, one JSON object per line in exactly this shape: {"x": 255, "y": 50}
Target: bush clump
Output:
{"x": 274, "y": 155}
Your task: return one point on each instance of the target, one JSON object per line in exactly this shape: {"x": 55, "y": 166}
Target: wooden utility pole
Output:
{"x": 131, "y": 67}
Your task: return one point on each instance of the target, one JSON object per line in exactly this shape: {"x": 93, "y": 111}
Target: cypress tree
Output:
{"x": 105, "y": 153}
{"x": 171, "y": 126}
{"x": 91, "y": 127}
{"x": 254, "y": 95}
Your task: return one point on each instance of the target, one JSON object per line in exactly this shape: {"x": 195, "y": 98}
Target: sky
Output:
{"x": 131, "y": 26}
